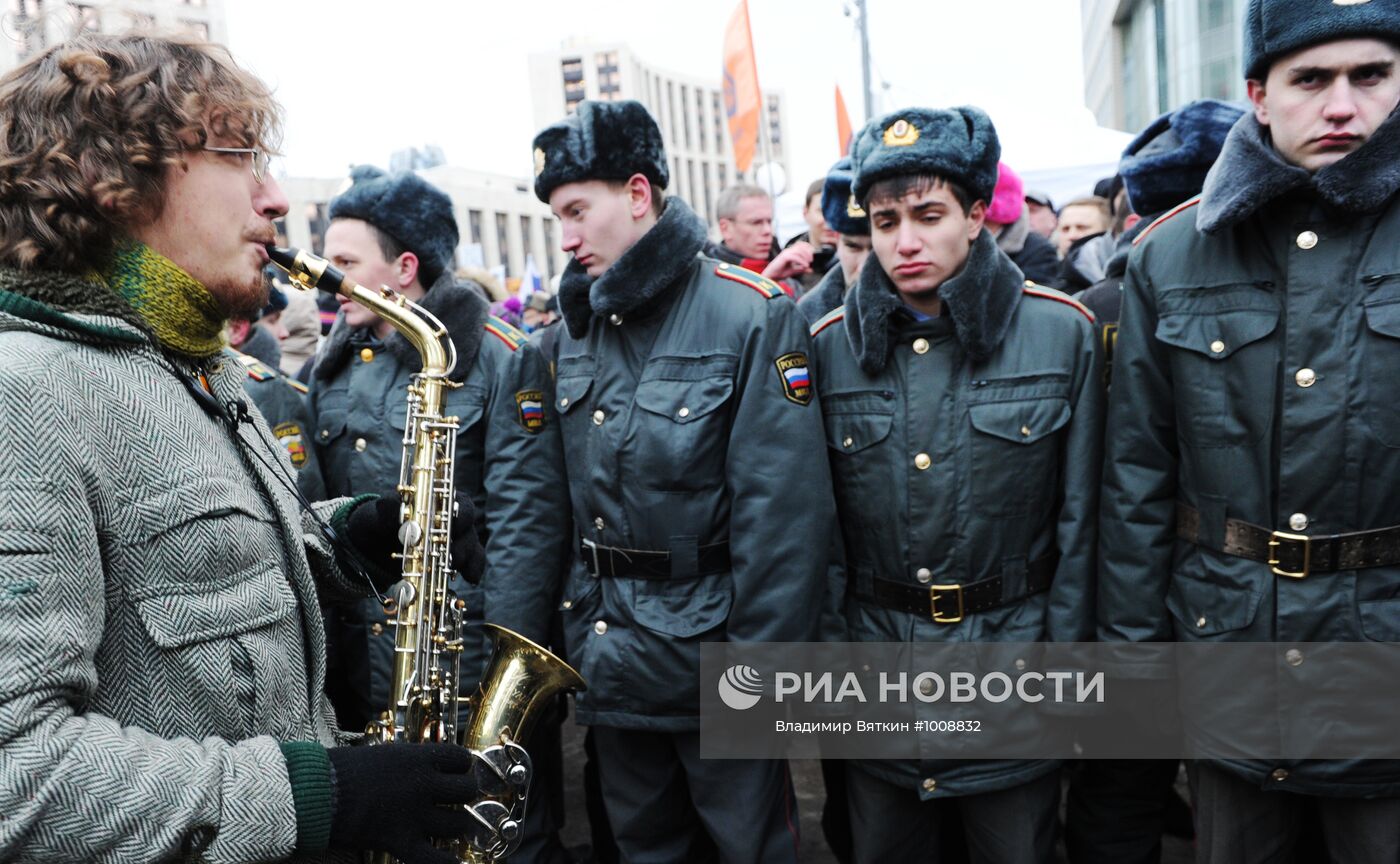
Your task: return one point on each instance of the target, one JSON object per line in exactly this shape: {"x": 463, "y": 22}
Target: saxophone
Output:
{"x": 520, "y": 677}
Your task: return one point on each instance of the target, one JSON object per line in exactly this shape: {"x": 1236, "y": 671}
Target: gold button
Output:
{"x": 1020, "y": 664}
{"x": 615, "y": 319}
{"x": 926, "y": 688}
{"x": 920, "y": 346}
{"x": 930, "y": 784}
{"x": 922, "y": 461}
{"x": 366, "y": 354}
{"x": 1293, "y": 657}
{"x": 600, "y": 627}
{"x": 325, "y": 433}
{"x": 598, "y": 417}
{"x": 361, "y": 444}
{"x": 683, "y": 413}
{"x": 568, "y": 604}
{"x": 1201, "y": 621}
{"x": 599, "y": 523}
{"x": 1307, "y": 240}
{"x": 848, "y": 442}
{"x": 564, "y": 403}
{"x": 923, "y": 574}
{"x": 724, "y": 266}
{"x": 1217, "y": 347}
{"x": 1280, "y": 774}
{"x": 1305, "y": 377}
{"x": 1025, "y": 431}
{"x": 376, "y": 628}
{"x": 1298, "y": 522}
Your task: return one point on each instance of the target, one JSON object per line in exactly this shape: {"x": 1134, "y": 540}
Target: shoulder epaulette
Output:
{"x": 828, "y": 319}
{"x": 255, "y": 368}
{"x": 505, "y": 332}
{"x": 1185, "y": 205}
{"x": 1049, "y": 294}
{"x": 762, "y": 284}
{"x": 297, "y": 386}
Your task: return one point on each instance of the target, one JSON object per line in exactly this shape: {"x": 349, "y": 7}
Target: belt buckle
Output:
{"x": 1276, "y": 539}
{"x": 592, "y": 546}
{"x": 933, "y": 598}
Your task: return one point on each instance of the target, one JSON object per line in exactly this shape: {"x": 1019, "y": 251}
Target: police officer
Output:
{"x": 282, "y": 401}
{"x": 852, "y": 228}
{"x": 963, "y": 415}
{"x": 398, "y": 230}
{"x": 696, "y": 522}
{"x": 1256, "y": 401}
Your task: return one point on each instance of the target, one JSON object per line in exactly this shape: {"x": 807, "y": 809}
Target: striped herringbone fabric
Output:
{"x": 159, "y": 623}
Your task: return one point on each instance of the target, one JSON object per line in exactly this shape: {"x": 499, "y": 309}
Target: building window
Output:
{"x": 316, "y": 224}
{"x": 1219, "y": 50}
{"x": 549, "y": 249}
{"x": 1159, "y": 28}
{"x": 571, "y": 69}
{"x": 527, "y": 246}
{"x": 723, "y": 176}
{"x": 700, "y": 120}
{"x": 502, "y": 243}
{"x": 721, "y": 121}
{"x": 609, "y": 76}
{"x": 709, "y": 192}
{"x": 775, "y": 127}
{"x": 474, "y": 225}
{"x": 685, "y": 114}
{"x": 671, "y": 108}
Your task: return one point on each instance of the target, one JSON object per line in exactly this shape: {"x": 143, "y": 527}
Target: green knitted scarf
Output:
{"x": 180, "y": 312}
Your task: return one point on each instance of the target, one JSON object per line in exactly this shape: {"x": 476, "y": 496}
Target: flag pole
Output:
{"x": 765, "y": 131}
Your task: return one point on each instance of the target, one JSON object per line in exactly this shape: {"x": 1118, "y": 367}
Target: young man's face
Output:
{"x": 353, "y": 247}
{"x": 600, "y": 221}
{"x": 1076, "y": 221}
{"x": 750, "y": 232}
{"x": 818, "y": 234}
{"x": 851, "y": 251}
{"x": 214, "y": 223}
{"x": 1323, "y": 102}
{"x": 923, "y": 238}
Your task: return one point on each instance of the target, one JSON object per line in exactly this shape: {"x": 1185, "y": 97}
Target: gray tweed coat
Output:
{"x": 159, "y": 623}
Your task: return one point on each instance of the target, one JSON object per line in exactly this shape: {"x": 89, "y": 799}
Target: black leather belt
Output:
{"x": 645, "y": 564}
{"x": 1296, "y": 555}
{"x": 949, "y": 604}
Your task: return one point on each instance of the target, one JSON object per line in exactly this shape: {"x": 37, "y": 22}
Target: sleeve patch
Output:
{"x": 530, "y": 406}
{"x": 828, "y": 319}
{"x": 502, "y": 330}
{"x": 762, "y": 284}
{"x": 796, "y": 377}
{"x": 290, "y": 436}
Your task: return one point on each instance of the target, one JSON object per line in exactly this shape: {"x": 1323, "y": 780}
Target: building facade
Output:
{"x": 1145, "y": 57}
{"x": 689, "y": 110}
{"x": 30, "y": 26}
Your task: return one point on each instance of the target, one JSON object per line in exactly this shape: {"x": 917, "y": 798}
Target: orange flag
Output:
{"x": 743, "y": 102}
{"x": 843, "y": 124}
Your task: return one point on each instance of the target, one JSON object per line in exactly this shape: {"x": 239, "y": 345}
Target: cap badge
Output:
{"x": 539, "y": 161}
{"x": 853, "y": 208}
{"x": 901, "y": 134}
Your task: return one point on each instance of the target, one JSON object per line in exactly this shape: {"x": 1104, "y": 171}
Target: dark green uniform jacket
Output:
{"x": 829, "y": 294}
{"x": 282, "y": 401}
{"x": 963, "y": 448}
{"x": 1257, "y": 378}
{"x": 689, "y": 419}
{"x": 508, "y": 460}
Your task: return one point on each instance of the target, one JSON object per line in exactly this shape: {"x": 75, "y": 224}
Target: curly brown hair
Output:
{"x": 89, "y": 128}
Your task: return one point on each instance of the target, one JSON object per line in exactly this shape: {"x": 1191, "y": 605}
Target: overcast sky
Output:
{"x": 359, "y": 80}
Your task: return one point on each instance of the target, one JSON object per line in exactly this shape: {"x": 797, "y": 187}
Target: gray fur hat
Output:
{"x": 600, "y": 141}
{"x": 1273, "y": 28}
{"x": 1167, "y": 162}
{"x": 959, "y": 144}
{"x": 414, "y": 212}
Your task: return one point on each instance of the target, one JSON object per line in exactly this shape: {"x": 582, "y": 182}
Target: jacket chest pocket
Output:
{"x": 680, "y": 430}
{"x": 572, "y": 397}
{"x": 1226, "y": 369}
{"x": 1015, "y": 448}
{"x": 858, "y": 427}
{"x": 1381, "y": 368}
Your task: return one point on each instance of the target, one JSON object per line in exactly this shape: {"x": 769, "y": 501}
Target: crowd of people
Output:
{"x": 1162, "y": 412}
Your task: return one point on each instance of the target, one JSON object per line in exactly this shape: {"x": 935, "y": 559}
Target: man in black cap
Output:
{"x": 697, "y": 523}
{"x": 1252, "y": 484}
{"x": 963, "y": 409}
{"x": 398, "y": 230}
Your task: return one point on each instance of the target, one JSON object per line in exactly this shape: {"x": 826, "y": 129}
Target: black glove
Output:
{"x": 390, "y": 798}
{"x": 374, "y": 532}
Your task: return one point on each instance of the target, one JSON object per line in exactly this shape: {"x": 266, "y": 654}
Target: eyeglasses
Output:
{"x": 260, "y": 158}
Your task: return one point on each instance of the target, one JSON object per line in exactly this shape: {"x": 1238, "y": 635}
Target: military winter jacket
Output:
{"x": 828, "y": 295}
{"x": 1257, "y": 378}
{"x": 965, "y": 447}
{"x": 159, "y": 620}
{"x": 690, "y": 424}
{"x": 508, "y": 460}
{"x": 282, "y": 401}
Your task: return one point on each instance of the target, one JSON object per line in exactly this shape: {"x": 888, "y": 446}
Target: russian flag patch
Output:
{"x": 796, "y": 377}
{"x": 531, "y": 406}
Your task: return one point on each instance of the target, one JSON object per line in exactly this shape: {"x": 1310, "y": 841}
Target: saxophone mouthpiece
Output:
{"x": 283, "y": 256}
{"x": 307, "y": 271}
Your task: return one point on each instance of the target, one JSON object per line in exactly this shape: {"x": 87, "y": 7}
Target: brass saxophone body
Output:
{"x": 425, "y": 700}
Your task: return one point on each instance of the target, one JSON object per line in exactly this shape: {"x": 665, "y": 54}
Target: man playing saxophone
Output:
{"x": 162, "y": 662}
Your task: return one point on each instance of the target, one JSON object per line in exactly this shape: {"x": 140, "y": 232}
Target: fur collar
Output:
{"x": 1250, "y": 174}
{"x": 644, "y": 272}
{"x": 458, "y": 305}
{"x": 980, "y": 300}
{"x": 827, "y": 295}
{"x": 1012, "y": 238}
